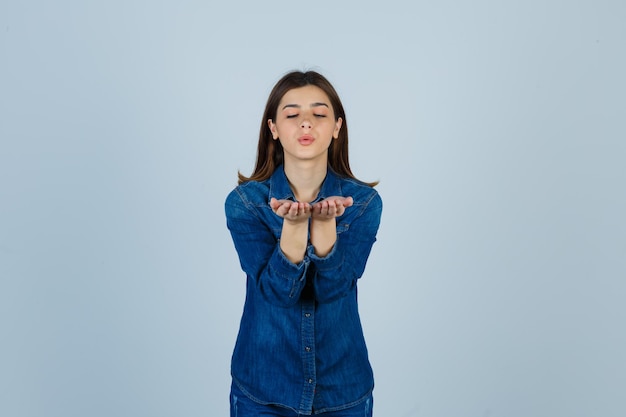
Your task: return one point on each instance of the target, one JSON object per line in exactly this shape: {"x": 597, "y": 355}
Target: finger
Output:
{"x": 332, "y": 207}
{"x": 287, "y": 208}
{"x": 325, "y": 208}
{"x": 343, "y": 204}
{"x": 297, "y": 209}
{"x": 281, "y": 210}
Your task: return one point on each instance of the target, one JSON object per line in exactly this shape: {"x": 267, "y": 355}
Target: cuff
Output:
{"x": 333, "y": 260}
{"x": 287, "y": 269}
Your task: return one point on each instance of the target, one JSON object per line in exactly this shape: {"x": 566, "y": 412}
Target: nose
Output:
{"x": 306, "y": 124}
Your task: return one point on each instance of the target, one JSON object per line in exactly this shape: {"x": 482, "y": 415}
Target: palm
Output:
{"x": 331, "y": 207}
{"x": 291, "y": 210}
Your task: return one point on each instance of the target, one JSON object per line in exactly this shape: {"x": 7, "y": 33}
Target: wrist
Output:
{"x": 300, "y": 221}
{"x": 320, "y": 220}
{"x": 323, "y": 235}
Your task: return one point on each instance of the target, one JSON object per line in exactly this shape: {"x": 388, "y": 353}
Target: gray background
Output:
{"x": 496, "y": 129}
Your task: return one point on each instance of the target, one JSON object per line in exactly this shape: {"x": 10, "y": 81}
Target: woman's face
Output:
{"x": 305, "y": 124}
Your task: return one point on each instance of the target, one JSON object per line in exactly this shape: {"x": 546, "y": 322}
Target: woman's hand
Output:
{"x": 330, "y": 207}
{"x": 293, "y": 237}
{"x": 292, "y": 211}
{"x": 323, "y": 223}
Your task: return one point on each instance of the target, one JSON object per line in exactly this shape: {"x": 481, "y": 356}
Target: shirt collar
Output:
{"x": 280, "y": 189}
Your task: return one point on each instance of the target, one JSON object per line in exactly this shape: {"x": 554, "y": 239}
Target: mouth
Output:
{"x": 306, "y": 140}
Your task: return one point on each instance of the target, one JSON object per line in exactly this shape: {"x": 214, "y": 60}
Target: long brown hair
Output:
{"x": 270, "y": 152}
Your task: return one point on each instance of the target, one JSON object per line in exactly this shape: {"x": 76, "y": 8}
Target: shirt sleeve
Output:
{"x": 338, "y": 272}
{"x": 279, "y": 280}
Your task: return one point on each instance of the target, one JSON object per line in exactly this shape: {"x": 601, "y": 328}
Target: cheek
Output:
{"x": 286, "y": 123}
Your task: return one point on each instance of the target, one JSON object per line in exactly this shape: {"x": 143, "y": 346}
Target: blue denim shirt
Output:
{"x": 300, "y": 343}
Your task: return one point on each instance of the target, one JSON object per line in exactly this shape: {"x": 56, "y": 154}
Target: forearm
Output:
{"x": 258, "y": 246}
{"x": 355, "y": 234}
{"x": 323, "y": 235}
{"x": 278, "y": 277}
{"x": 293, "y": 240}
{"x": 337, "y": 272}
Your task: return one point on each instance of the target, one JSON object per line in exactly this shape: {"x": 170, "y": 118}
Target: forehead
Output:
{"x": 304, "y": 96}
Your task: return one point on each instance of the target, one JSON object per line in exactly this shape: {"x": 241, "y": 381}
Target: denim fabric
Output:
{"x": 300, "y": 343}
{"x": 242, "y": 406}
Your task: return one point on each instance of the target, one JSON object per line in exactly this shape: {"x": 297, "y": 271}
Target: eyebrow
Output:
{"x": 312, "y": 105}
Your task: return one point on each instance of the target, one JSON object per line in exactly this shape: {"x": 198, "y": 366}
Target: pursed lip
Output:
{"x": 306, "y": 139}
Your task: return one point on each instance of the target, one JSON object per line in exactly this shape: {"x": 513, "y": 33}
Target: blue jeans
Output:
{"x": 242, "y": 406}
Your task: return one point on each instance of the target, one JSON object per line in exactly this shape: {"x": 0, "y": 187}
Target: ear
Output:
{"x": 338, "y": 124}
{"x": 272, "y": 127}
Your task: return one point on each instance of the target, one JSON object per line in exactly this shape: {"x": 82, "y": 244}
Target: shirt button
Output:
{"x": 307, "y": 315}
{"x": 308, "y": 349}
{"x": 310, "y": 381}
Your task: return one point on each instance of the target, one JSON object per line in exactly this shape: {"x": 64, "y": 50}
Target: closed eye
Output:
{"x": 291, "y": 116}
{"x": 320, "y": 115}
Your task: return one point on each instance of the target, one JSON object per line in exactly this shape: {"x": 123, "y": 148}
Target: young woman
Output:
{"x": 303, "y": 227}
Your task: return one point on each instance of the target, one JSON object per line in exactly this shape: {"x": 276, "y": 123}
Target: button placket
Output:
{"x": 308, "y": 351}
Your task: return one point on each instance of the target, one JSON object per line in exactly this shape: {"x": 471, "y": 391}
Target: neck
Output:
{"x": 305, "y": 179}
